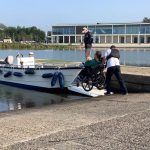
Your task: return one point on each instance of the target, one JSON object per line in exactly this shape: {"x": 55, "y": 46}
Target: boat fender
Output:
{"x": 61, "y": 80}
{"x": 47, "y": 75}
{"x": 54, "y": 79}
{"x": 9, "y": 73}
{"x": 1, "y": 71}
{"x": 18, "y": 74}
{"x": 29, "y": 71}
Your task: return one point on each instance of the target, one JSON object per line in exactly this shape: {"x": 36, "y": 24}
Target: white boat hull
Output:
{"x": 36, "y": 80}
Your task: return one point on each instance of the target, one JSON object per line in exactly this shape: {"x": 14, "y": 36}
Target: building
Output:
{"x": 8, "y": 40}
{"x": 103, "y": 33}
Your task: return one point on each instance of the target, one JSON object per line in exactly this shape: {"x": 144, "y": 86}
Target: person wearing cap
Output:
{"x": 88, "y": 40}
{"x": 111, "y": 57}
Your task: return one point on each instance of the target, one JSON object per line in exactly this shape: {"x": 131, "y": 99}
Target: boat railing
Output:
{"x": 74, "y": 64}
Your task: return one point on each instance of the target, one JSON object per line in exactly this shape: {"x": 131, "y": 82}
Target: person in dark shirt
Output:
{"x": 88, "y": 40}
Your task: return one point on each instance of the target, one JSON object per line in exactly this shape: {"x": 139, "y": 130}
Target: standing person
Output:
{"x": 112, "y": 57}
{"x": 88, "y": 40}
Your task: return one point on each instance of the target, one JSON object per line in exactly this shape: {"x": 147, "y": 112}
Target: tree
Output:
{"x": 146, "y": 20}
{"x": 2, "y": 26}
{"x": 22, "y": 33}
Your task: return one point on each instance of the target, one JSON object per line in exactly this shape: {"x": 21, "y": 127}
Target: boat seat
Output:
{"x": 9, "y": 60}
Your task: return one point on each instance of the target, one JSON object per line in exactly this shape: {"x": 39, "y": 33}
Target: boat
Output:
{"x": 24, "y": 72}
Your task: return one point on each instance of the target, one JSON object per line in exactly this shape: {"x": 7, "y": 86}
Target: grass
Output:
{"x": 35, "y": 46}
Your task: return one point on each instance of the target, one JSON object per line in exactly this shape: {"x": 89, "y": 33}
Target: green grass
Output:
{"x": 35, "y": 46}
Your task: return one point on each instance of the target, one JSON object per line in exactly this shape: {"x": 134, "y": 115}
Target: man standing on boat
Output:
{"x": 88, "y": 40}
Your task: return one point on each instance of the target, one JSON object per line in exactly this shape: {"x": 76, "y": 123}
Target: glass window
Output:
{"x": 63, "y": 30}
{"x": 133, "y": 29}
{"x": 69, "y": 30}
{"x": 148, "y": 39}
{"x": 119, "y": 30}
{"x": 57, "y": 30}
{"x": 135, "y": 40}
{"x": 142, "y": 29}
{"x": 142, "y": 39}
{"x": 147, "y": 29}
{"x": 72, "y": 30}
{"x": 103, "y": 29}
{"x": 122, "y": 39}
{"x": 79, "y": 29}
{"x": 92, "y": 29}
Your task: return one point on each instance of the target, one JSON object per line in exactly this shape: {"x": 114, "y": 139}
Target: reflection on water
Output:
{"x": 12, "y": 98}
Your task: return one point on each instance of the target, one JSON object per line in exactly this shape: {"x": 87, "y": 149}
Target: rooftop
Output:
{"x": 99, "y": 23}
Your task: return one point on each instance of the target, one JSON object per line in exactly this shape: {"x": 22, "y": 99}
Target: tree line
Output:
{"x": 146, "y": 20}
{"x": 18, "y": 34}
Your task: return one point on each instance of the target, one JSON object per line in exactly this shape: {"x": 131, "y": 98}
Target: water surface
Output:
{"x": 132, "y": 57}
{"x": 13, "y": 98}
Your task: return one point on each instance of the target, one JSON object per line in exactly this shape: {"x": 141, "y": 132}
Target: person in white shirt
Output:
{"x": 111, "y": 57}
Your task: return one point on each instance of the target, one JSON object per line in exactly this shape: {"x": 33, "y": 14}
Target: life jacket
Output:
{"x": 114, "y": 53}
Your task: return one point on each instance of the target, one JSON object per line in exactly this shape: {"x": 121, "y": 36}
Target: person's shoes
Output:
{"x": 125, "y": 93}
{"x": 109, "y": 93}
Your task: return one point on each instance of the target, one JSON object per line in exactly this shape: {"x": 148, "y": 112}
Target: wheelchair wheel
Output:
{"x": 87, "y": 85}
{"x": 100, "y": 82}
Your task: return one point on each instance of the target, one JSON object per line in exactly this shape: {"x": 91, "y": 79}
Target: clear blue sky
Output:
{"x": 44, "y": 13}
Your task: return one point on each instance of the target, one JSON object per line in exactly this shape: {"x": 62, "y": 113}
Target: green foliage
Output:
{"x": 36, "y": 46}
{"x": 2, "y": 26}
{"x": 146, "y": 20}
{"x": 23, "y": 34}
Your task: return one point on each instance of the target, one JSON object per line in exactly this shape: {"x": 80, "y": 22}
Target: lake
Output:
{"x": 132, "y": 57}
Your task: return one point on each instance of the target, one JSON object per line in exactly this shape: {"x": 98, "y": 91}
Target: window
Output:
{"x": 142, "y": 39}
{"x": 122, "y": 40}
{"x": 63, "y": 30}
{"x": 103, "y": 29}
{"x": 92, "y": 29}
{"x": 79, "y": 29}
{"x": 135, "y": 40}
{"x": 132, "y": 29}
{"x": 119, "y": 30}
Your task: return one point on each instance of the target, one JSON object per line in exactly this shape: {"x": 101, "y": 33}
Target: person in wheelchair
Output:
{"x": 92, "y": 74}
{"x": 92, "y": 66}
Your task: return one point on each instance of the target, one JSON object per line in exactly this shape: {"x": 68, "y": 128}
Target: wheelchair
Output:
{"x": 90, "y": 77}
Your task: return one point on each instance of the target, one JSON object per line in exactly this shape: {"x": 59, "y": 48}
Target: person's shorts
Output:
{"x": 88, "y": 52}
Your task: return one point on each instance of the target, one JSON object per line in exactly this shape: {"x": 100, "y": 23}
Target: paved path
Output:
{"x": 111, "y": 122}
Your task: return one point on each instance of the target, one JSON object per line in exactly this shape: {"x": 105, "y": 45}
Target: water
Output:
{"x": 132, "y": 57}
{"x": 12, "y": 99}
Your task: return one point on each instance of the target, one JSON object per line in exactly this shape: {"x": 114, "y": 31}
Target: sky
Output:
{"x": 45, "y": 13}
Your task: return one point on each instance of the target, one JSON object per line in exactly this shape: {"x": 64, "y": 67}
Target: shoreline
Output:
{"x": 43, "y": 46}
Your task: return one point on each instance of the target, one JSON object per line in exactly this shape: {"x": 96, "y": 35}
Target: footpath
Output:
{"x": 109, "y": 122}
